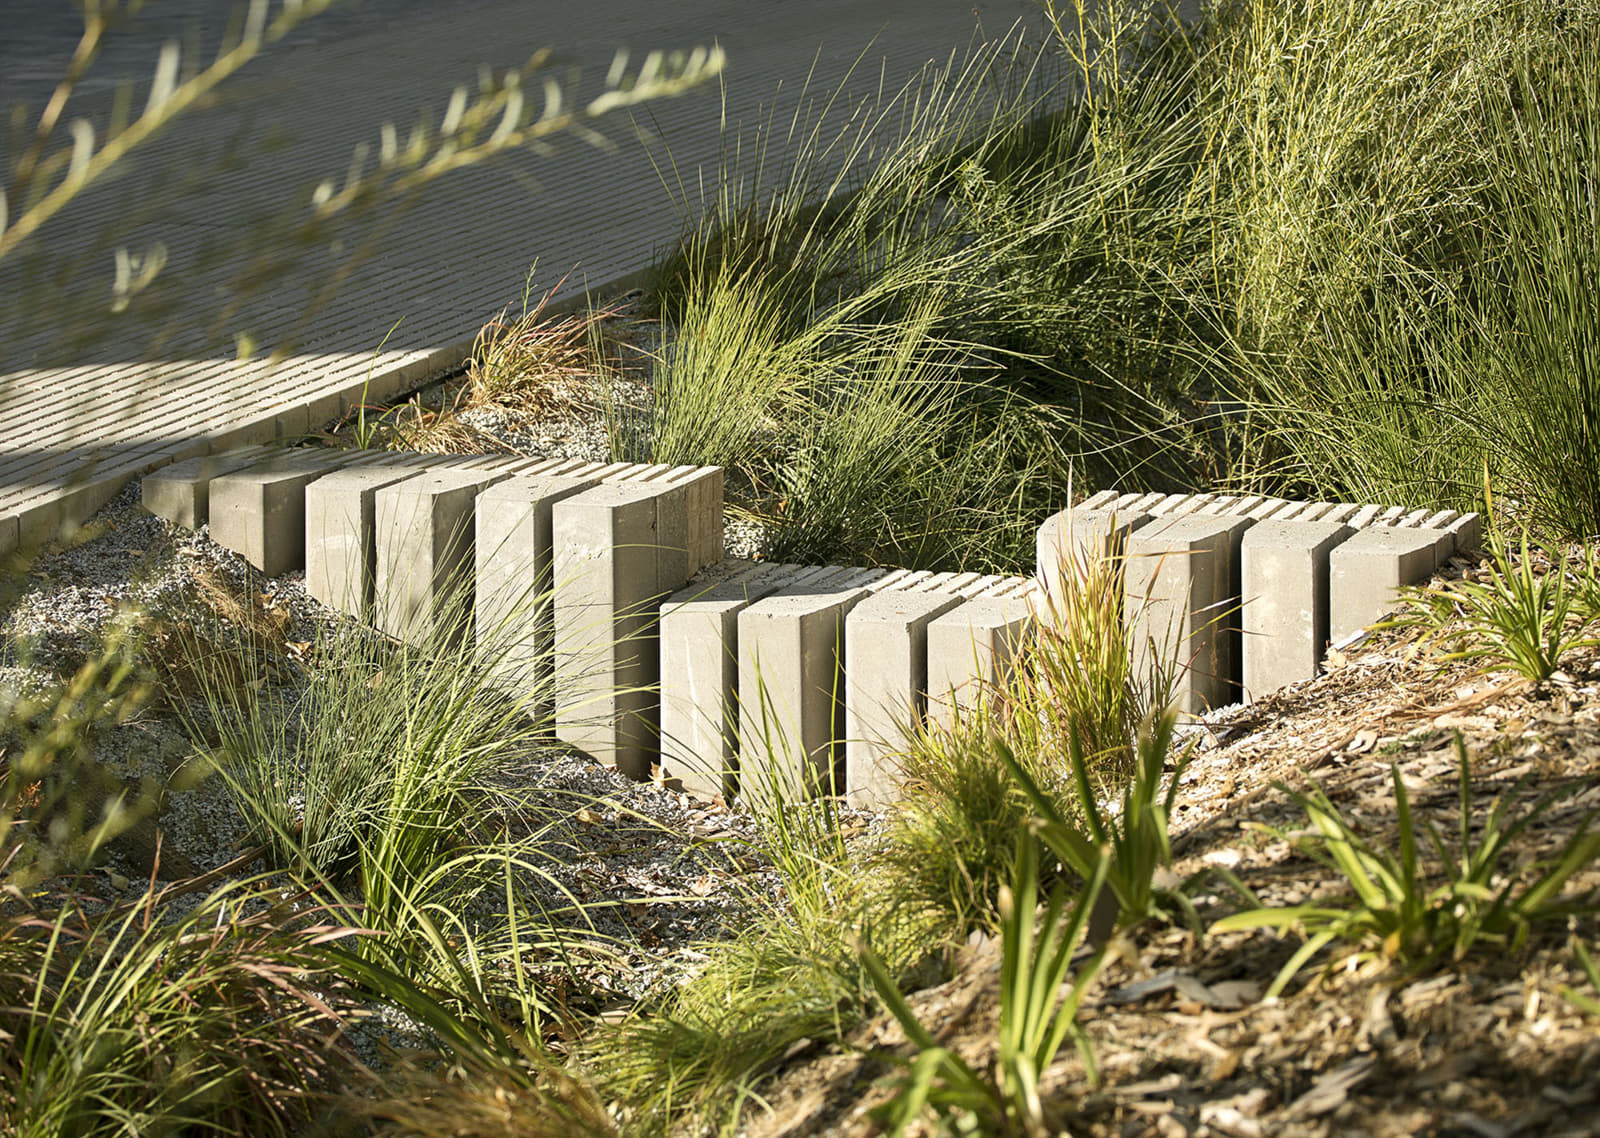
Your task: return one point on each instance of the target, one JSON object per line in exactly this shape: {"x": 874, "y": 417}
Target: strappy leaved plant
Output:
{"x": 1035, "y": 1019}
{"x": 1400, "y": 910}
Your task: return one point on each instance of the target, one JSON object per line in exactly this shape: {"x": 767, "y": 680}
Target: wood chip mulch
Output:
{"x": 1185, "y": 1042}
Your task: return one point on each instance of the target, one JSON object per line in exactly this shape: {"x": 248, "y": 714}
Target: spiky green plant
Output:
{"x": 1135, "y": 838}
{"x": 1035, "y": 1018}
{"x": 1401, "y": 911}
{"x": 1583, "y": 1001}
{"x": 1518, "y": 619}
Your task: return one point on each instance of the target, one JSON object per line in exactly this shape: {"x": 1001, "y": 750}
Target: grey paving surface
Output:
{"x": 78, "y": 415}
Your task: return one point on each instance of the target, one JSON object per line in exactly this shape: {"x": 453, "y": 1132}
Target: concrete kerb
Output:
{"x": 180, "y": 492}
{"x": 514, "y": 617}
{"x": 259, "y": 511}
{"x": 1366, "y": 572}
{"x": 1103, "y": 524}
{"x": 1284, "y": 588}
{"x": 607, "y": 569}
{"x": 886, "y": 683}
{"x": 972, "y": 646}
{"x": 425, "y": 530}
{"x": 341, "y": 527}
{"x": 1180, "y": 605}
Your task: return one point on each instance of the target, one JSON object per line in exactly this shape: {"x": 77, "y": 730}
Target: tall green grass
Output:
{"x": 1338, "y": 247}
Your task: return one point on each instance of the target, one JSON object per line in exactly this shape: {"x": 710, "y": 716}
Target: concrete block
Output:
{"x": 181, "y": 493}
{"x": 607, "y": 662}
{"x": 1070, "y": 537}
{"x": 1098, "y": 501}
{"x": 1284, "y": 585}
{"x": 958, "y": 584}
{"x": 1466, "y": 532}
{"x": 424, "y": 536}
{"x": 1181, "y": 596}
{"x": 700, "y": 678}
{"x": 341, "y": 544}
{"x": 1365, "y": 572}
{"x": 259, "y": 512}
{"x": 703, "y": 493}
{"x": 514, "y": 583}
{"x": 690, "y": 508}
{"x": 886, "y": 684}
{"x": 971, "y": 646}
{"x": 1261, "y": 509}
{"x": 791, "y": 706}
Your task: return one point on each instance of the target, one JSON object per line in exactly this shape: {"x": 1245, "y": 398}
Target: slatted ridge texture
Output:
{"x": 73, "y": 432}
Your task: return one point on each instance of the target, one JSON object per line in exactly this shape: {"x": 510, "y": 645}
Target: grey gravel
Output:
{"x": 659, "y": 870}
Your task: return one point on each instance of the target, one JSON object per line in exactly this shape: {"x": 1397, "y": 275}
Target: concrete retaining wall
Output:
{"x": 582, "y": 586}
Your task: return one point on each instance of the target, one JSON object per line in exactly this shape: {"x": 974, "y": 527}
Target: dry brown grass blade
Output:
{"x": 518, "y": 362}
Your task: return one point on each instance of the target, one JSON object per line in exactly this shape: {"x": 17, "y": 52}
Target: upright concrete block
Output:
{"x": 791, "y": 710}
{"x": 1284, "y": 582}
{"x": 886, "y": 684}
{"x": 703, "y": 501}
{"x": 181, "y": 492}
{"x": 1366, "y": 572}
{"x": 513, "y": 614}
{"x": 1181, "y": 596}
{"x": 607, "y": 654}
{"x": 425, "y": 533}
{"x": 1466, "y": 533}
{"x": 970, "y": 646}
{"x": 341, "y": 543}
{"x": 689, "y": 509}
{"x": 1068, "y": 539}
{"x": 259, "y": 512}
{"x": 700, "y": 677}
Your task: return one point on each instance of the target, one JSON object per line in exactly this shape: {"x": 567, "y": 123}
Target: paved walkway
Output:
{"x": 79, "y": 417}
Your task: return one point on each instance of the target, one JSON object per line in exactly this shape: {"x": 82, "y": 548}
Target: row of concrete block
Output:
{"x": 575, "y": 581}
{"x": 578, "y": 583}
{"x": 784, "y": 681}
{"x": 1246, "y": 593}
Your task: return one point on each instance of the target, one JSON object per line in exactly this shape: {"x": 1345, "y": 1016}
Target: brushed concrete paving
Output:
{"x": 80, "y": 416}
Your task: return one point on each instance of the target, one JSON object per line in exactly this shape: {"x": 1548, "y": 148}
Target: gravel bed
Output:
{"x": 659, "y": 870}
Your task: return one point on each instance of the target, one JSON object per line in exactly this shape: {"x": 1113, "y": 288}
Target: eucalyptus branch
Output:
{"x": 168, "y": 99}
